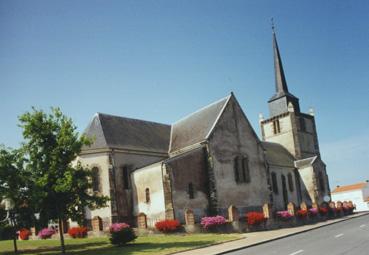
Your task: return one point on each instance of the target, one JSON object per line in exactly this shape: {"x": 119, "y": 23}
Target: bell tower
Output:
{"x": 286, "y": 124}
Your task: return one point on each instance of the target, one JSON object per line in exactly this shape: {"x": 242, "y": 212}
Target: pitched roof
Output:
{"x": 124, "y": 133}
{"x": 357, "y": 186}
{"x": 197, "y": 126}
{"x": 278, "y": 155}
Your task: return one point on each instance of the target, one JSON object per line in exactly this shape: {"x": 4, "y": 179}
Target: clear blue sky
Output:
{"x": 161, "y": 60}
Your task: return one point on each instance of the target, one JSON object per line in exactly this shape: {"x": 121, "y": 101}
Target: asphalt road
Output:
{"x": 347, "y": 237}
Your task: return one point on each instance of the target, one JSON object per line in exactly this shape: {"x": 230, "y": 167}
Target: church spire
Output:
{"x": 282, "y": 101}
{"x": 280, "y": 80}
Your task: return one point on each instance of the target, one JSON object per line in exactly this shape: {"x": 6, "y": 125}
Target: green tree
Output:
{"x": 14, "y": 188}
{"x": 60, "y": 186}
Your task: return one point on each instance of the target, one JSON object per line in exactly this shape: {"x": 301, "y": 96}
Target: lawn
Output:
{"x": 145, "y": 245}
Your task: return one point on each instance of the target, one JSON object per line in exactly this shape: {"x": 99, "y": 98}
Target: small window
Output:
{"x": 276, "y": 127}
{"x": 125, "y": 177}
{"x": 191, "y": 192}
{"x": 147, "y": 195}
{"x": 96, "y": 185}
{"x": 321, "y": 182}
{"x": 290, "y": 182}
{"x": 274, "y": 183}
{"x": 241, "y": 169}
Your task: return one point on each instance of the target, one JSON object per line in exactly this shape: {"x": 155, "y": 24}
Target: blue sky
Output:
{"x": 161, "y": 60}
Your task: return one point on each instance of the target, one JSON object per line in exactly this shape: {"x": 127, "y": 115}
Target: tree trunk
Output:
{"x": 61, "y": 233}
{"x": 12, "y": 221}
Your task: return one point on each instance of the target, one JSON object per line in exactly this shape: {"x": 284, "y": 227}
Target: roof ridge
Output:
{"x": 201, "y": 109}
{"x": 129, "y": 118}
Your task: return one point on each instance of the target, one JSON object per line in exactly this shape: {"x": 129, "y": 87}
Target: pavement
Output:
{"x": 320, "y": 238}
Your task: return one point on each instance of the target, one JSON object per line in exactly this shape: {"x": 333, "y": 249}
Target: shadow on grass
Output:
{"x": 107, "y": 249}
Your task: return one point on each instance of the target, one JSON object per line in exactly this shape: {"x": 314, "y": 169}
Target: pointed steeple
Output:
{"x": 280, "y": 79}
{"x": 283, "y": 100}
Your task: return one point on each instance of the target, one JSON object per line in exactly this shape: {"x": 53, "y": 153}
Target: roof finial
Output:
{"x": 273, "y": 25}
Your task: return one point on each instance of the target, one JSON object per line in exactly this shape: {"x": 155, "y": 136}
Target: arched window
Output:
{"x": 321, "y": 182}
{"x": 96, "y": 185}
{"x": 241, "y": 169}
{"x": 147, "y": 195}
{"x": 290, "y": 182}
{"x": 191, "y": 192}
{"x": 125, "y": 177}
{"x": 274, "y": 183}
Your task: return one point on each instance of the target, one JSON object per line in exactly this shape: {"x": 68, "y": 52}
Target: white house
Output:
{"x": 358, "y": 193}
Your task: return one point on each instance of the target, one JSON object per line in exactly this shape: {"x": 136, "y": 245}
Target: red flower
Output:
{"x": 167, "y": 225}
{"x": 24, "y": 234}
{"x": 302, "y": 213}
{"x": 255, "y": 218}
{"x": 78, "y": 232}
{"x": 323, "y": 210}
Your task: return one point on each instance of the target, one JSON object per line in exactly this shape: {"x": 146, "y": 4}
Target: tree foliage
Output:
{"x": 60, "y": 185}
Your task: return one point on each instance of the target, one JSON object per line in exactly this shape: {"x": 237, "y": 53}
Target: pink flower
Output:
{"x": 208, "y": 222}
{"x": 116, "y": 227}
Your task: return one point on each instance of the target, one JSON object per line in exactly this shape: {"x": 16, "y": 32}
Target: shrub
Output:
{"x": 167, "y": 226}
{"x": 46, "y": 233}
{"x": 284, "y": 215}
{"x": 121, "y": 233}
{"x": 24, "y": 234}
{"x": 302, "y": 214}
{"x": 323, "y": 211}
{"x": 209, "y": 222}
{"x": 77, "y": 232}
{"x": 313, "y": 212}
{"x": 255, "y": 218}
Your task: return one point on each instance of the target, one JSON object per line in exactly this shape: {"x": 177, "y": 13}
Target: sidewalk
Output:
{"x": 256, "y": 238}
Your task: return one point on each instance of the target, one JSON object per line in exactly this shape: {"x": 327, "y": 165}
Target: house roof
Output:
{"x": 110, "y": 131}
{"x": 357, "y": 186}
{"x": 197, "y": 126}
{"x": 278, "y": 155}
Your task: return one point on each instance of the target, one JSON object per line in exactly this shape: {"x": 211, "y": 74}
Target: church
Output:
{"x": 207, "y": 161}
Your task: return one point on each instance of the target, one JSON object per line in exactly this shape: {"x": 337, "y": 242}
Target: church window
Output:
{"x": 290, "y": 182}
{"x": 191, "y": 192}
{"x": 96, "y": 185}
{"x": 274, "y": 183}
{"x": 147, "y": 195}
{"x": 276, "y": 127}
{"x": 321, "y": 182}
{"x": 125, "y": 177}
{"x": 241, "y": 169}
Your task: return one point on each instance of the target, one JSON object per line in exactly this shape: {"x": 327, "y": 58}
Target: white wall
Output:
{"x": 356, "y": 196}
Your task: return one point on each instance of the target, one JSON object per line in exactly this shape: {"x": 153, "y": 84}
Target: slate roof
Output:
{"x": 278, "y": 155}
{"x": 124, "y": 133}
{"x": 196, "y": 127}
{"x": 357, "y": 186}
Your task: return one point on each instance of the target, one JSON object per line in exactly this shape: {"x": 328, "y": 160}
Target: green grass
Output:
{"x": 145, "y": 245}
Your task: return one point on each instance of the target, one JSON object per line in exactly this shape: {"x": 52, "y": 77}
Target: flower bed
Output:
{"x": 302, "y": 214}
{"x": 167, "y": 226}
{"x": 121, "y": 233}
{"x": 77, "y": 232}
{"x": 46, "y": 233}
{"x": 24, "y": 234}
{"x": 255, "y": 218}
{"x": 313, "y": 212}
{"x": 212, "y": 222}
{"x": 323, "y": 211}
{"x": 284, "y": 215}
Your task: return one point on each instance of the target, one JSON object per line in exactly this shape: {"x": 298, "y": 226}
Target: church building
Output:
{"x": 207, "y": 161}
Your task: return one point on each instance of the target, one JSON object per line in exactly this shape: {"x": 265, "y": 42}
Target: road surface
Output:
{"x": 347, "y": 237}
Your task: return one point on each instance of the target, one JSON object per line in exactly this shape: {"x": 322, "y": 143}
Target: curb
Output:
{"x": 292, "y": 234}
